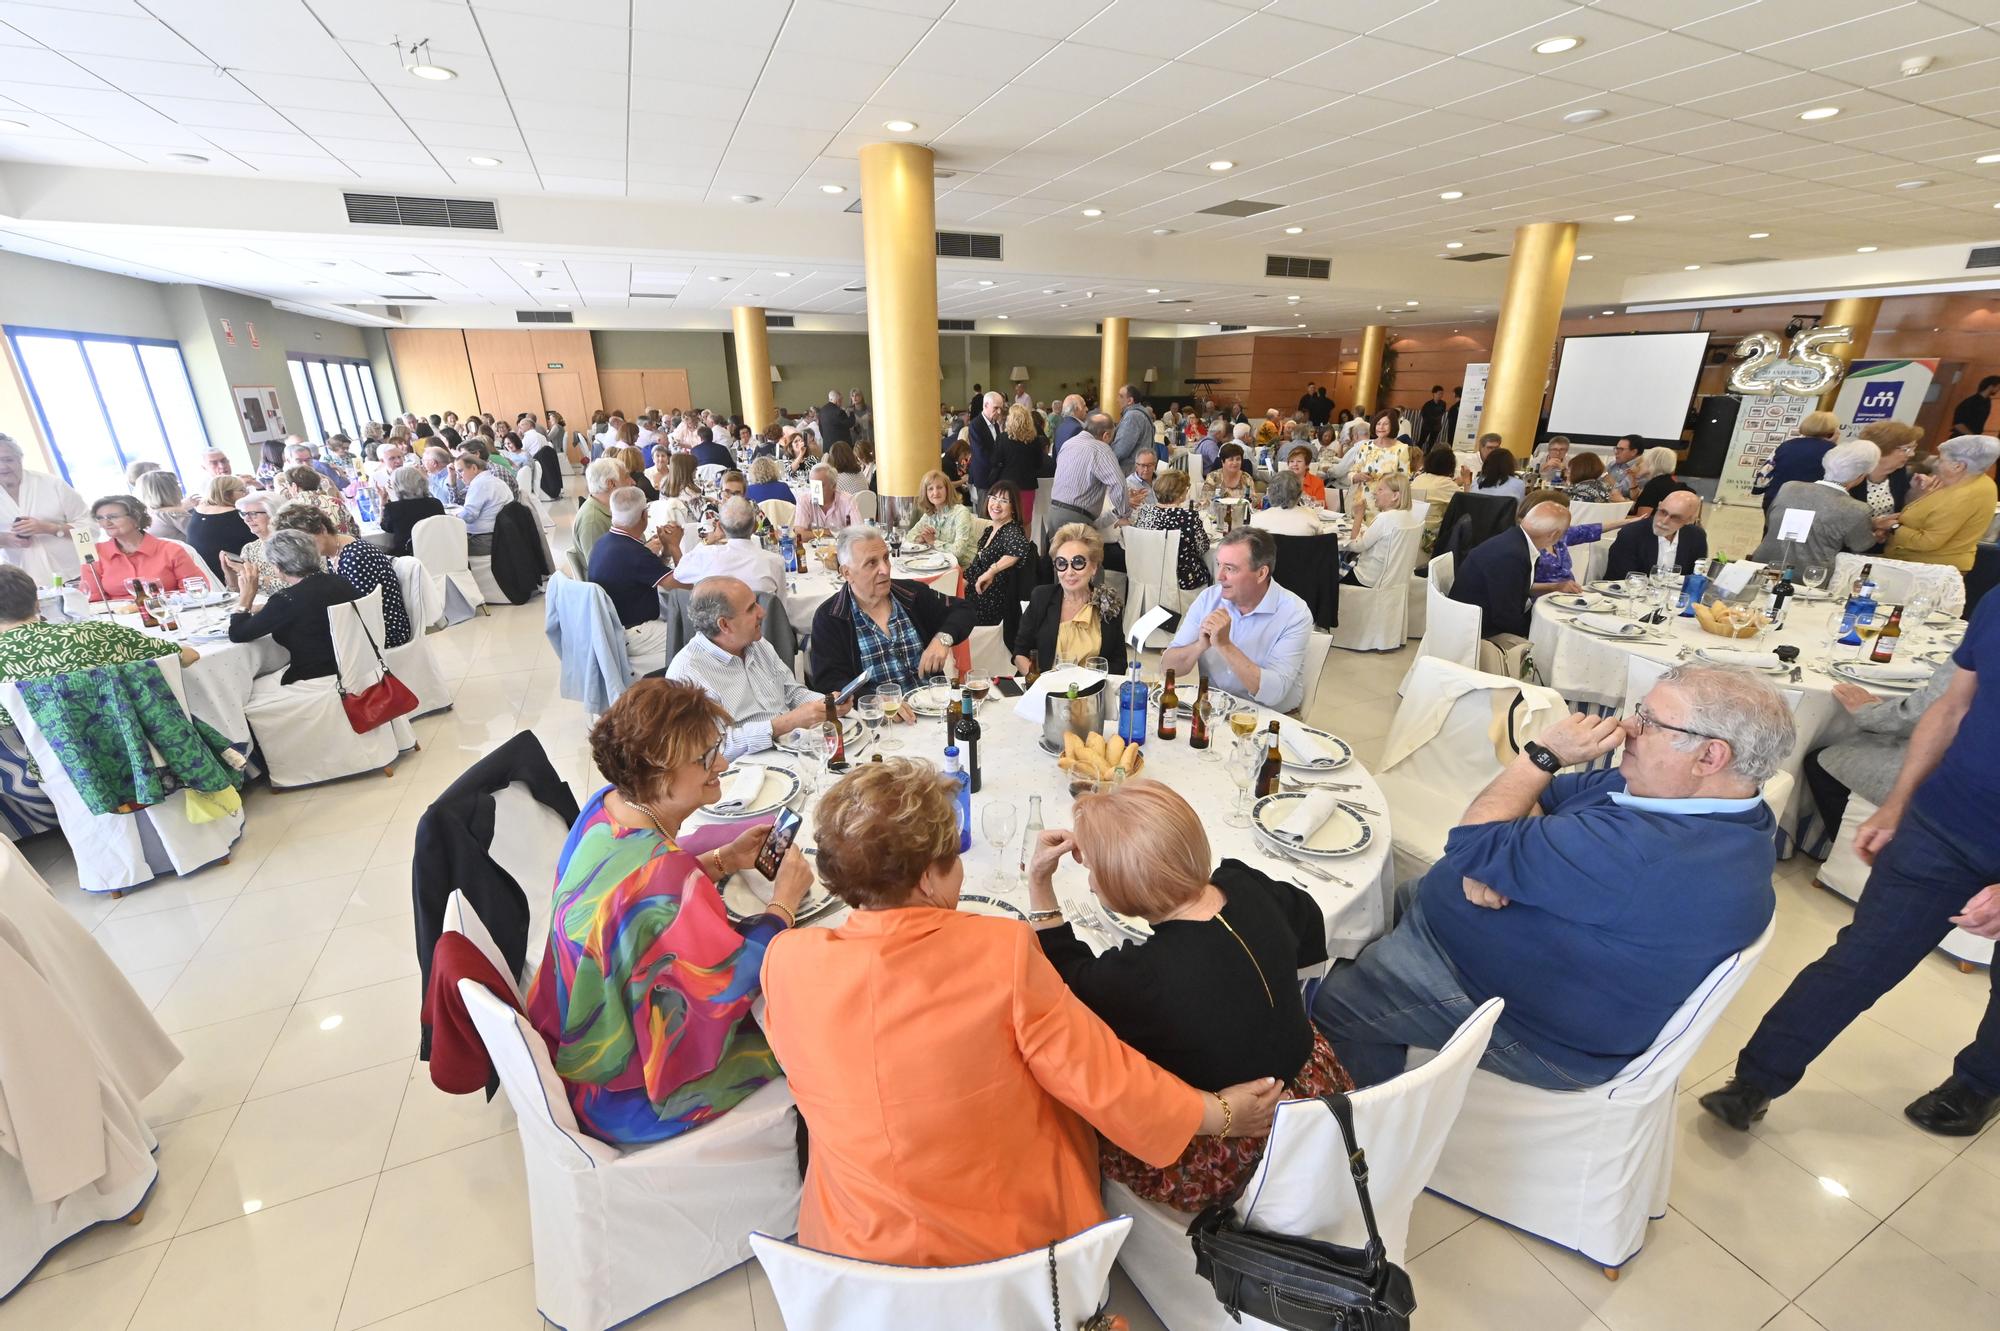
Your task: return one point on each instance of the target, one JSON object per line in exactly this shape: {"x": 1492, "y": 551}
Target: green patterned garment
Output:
{"x": 123, "y": 738}
{"x": 37, "y": 650}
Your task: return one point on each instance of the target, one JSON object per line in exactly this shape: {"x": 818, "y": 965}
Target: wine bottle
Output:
{"x": 1274, "y": 764}
{"x": 1170, "y": 703}
{"x": 968, "y": 739}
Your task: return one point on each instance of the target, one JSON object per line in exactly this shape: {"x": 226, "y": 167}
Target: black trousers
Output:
{"x": 1829, "y": 799}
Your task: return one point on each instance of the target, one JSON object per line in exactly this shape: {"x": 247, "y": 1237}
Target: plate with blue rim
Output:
{"x": 1346, "y": 830}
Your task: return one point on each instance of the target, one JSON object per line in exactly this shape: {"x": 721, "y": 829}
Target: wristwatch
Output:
{"x": 945, "y": 638}
{"x": 1542, "y": 756}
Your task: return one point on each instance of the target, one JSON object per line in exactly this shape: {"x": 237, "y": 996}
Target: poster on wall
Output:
{"x": 1470, "y": 406}
{"x": 1883, "y": 390}
{"x": 263, "y": 419}
{"x": 1762, "y": 423}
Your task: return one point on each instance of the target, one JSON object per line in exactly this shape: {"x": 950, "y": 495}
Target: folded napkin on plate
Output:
{"x": 1307, "y": 817}
{"x": 1605, "y": 623}
{"x": 741, "y": 791}
{"x": 1723, "y": 656}
{"x": 1889, "y": 674}
{"x": 1304, "y": 748}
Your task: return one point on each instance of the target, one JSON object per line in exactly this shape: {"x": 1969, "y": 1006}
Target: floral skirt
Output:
{"x": 1212, "y": 1166}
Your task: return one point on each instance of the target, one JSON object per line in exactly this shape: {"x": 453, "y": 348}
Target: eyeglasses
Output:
{"x": 709, "y": 754}
{"x": 1062, "y": 565}
{"x": 1648, "y": 721}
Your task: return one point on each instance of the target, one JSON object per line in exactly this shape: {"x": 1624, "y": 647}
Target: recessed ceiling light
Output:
{"x": 1293, "y": 230}
{"x": 1063, "y": 306}
{"x": 1409, "y": 302}
{"x": 531, "y": 263}
{"x": 1152, "y": 291}
{"x": 1093, "y": 212}
{"x": 1301, "y": 325}
{"x": 1760, "y": 235}
{"x": 561, "y": 306}
{"x": 1163, "y": 231}
{"x": 899, "y": 126}
{"x": 1048, "y": 291}
{"x": 1626, "y": 217}
{"x": 1866, "y": 249}
{"x": 1454, "y": 244}
{"x": 1291, "y": 298}
{"x": 1912, "y": 184}
{"x": 411, "y": 272}
{"x": 1451, "y": 194}
{"x": 1820, "y": 113}
{"x": 713, "y": 277}
{"x": 196, "y": 158}
{"x": 484, "y": 161}
{"x": 1089, "y": 295}
{"x": 1585, "y": 116}
{"x": 1691, "y": 268}
{"x": 999, "y": 316}
{"x": 986, "y": 281}
{"x": 746, "y": 198}
{"x": 1581, "y": 258}
{"x": 435, "y": 73}
{"x": 1986, "y": 160}
{"x": 13, "y": 124}
{"x": 833, "y": 189}
{"x": 1557, "y": 45}
{"x": 781, "y": 274}
{"x": 1222, "y": 164}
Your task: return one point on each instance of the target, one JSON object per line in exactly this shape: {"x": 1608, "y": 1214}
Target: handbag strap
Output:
{"x": 1357, "y": 1163}
{"x": 339, "y": 681}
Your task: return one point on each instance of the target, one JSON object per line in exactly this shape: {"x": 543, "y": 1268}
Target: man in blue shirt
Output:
{"x": 1248, "y": 633}
{"x": 1936, "y": 852}
{"x": 630, "y": 570}
{"x": 1596, "y": 919}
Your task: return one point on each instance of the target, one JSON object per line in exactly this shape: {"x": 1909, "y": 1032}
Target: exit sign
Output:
{"x": 555, "y": 365}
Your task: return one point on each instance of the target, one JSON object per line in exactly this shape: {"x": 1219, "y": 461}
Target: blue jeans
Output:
{"x": 1921, "y": 879}
{"x": 1402, "y": 991}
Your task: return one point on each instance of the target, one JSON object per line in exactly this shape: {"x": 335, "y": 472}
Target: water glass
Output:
{"x": 1098, "y": 664}
{"x": 890, "y": 696}
{"x": 1815, "y": 575}
{"x": 1246, "y": 759}
{"x": 1214, "y": 717}
{"x": 997, "y": 821}
{"x": 869, "y": 708}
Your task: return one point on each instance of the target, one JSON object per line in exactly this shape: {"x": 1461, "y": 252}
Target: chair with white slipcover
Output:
{"x": 416, "y": 664}
{"x": 1451, "y": 630}
{"x": 780, "y": 513}
{"x": 1377, "y": 619}
{"x": 422, "y": 601}
{"x": 1585, "y": 1170}
{"x": 1587, "y": 562}
{"x": 818, "y": 1291}
{"x": 616, "y": 1232}
{"x": 1896, "y": 580}
{"x": 865, "y": 505}
{"x": 1152, "y": 577}
{"x": 439, "y": 543}
{"x": 1301, "y": 1187}
{"x": 1318, "y": 647}
{"x": 302, "y": 729}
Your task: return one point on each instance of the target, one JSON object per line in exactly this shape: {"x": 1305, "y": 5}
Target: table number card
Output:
{"x": 1794, "y": 524}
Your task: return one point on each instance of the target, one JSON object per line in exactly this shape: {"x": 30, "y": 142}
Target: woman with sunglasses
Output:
{"x": 645, "y": 987}
{"x": 1072, "y": 619}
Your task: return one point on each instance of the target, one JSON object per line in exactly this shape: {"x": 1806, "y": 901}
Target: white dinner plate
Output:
{"x": 747, "y": 894}
{"x": 1616, "y": 589}
{"x": 1703, "y": 653}
{"x": 781, "y": 786}
{"x": 1342, "y": 754}
{"x": 974, "y": 904}
{"x": 1847, "y": 670}
{"x": 927, "y": 561}
{"x": 1223, "y": 703}
{"x": 1571, "y": 601}
{"x": 1627, "y": 632}
{"x": 1936, "y": 658}
{"x": 932, "y": 699}
{"x": 805, "y": 742}
{"x": 206, "y": 599}
{"x": 1344, "y": 832}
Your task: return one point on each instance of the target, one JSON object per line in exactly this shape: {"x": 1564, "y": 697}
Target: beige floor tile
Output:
{"x": 1681, "y": 1278}
{"x": 287, "y": 1146}
{"x": 347, "y": 1032}
{"x": 235, "y": 984}
{"x": 1887, "y": 1280}
{"x": 1432, "y": 1221}
{"x": 439, "y": 1226}
{"x": 152, "y": 985}
{"x": 100, "y": 1297}
{"x": 218, "y": 882}
{"x": 282, "y": 1267}
{"x": 433, "y": 1121}
{"x": 722, "y": 1303}
{"x": 1984, "y": 1150}
{"x": 1885, "y": 1068}
{"x": 1936, "y": 1007}
{"x": 369, "y": 800}
{"x": 218, "y": 1065}
{"x": 1791, "y": 1319}
{"x": 1956, "y": 1218}
{"x": 361, "y": 955}
{"x": 1483, "y": 1277}
{"x": 381, "y": 893}
{"x": 1833, "y": 1134}
{"x": 313, "y": 857}
{"x": 186, "y": 1148}
{"x": 164, "y": 938}
{"x": 504, "y": 1303}
{"x": 399, "y": 839}
{"x": 299, "y": 911}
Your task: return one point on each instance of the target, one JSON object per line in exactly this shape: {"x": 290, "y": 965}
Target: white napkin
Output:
{"x": 1304, "y": 748}
{"x": 742, "y": 790}
{"x": 1307, "y": 816}
{"x": 1605, "y": 623}
{"x": 1724, "y": 656}
{"x": 1889, "y": 674}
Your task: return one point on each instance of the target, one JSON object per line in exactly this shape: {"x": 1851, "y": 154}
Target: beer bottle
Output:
{"x": 1274, "y": 763}
{"x": 1198, "y": 720}
{"x": 830, "y": 735}
{"x": 1170, "y": 703}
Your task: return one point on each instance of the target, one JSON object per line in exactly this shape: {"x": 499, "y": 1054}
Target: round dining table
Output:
{"x": 218, "y": 685}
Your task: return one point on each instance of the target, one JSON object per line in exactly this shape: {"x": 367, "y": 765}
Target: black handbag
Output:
{"x": 1304, "y": 1284}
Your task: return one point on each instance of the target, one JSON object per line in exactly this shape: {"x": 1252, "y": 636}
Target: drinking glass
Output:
{"x": 1213, "y": 715}
{"x": 1917, "y": 610}
{"x": 1243, "y": 723}
{"x": 1815, "y": 575}
{"x": 194, "y": 588}
{"x": 978, "y": 683}
{"x": 997, "y": 821}
{"x": 869, "y": 708}
{"x": 1635, "y": 587}
{"x": 1246, "y": 757}
{"x": 1097, "y": 663}
{"x": 890, "y": 696}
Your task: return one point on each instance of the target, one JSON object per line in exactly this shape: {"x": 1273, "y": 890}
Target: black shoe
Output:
{"x": 1953, "y": 1109}
{"x": 1737, "y": 1104}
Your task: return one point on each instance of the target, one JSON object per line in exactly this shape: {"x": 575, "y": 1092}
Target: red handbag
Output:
{"x": 381, "y": 702}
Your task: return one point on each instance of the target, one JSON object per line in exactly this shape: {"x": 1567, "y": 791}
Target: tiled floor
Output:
{"x": 312, "y": 1179}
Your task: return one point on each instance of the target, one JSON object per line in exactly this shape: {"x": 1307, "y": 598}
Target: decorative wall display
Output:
{"x": 1470, "y": 405}
{"x": 1883, "y": 390}
{"x": 1818, "y": 369}
{"x": 260, "y": 413}
{"x": 1768, "y": 417}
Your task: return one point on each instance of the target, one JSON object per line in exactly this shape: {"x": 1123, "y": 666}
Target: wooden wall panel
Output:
{"x": 622, "y": 390}
{"x": 499, "y": 358}
{"x": 432, "y": 370}
{"x": 572, "y": 349}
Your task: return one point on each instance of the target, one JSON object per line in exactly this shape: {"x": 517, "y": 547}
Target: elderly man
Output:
{"x": 593, "y": 515}
{"x": 1210, "y": 448}
{"x": 1135, "y": 425}
{"x": 737, "y": 555}
{"x": 1672, "y": 540}
{"x": 1086, "y": 471}
{"x": 1592, "y": 903}
{"x": 437, "y": 468}
{"x": 826, "y": 506}
{"x": 729, "y": 657}
{"x": 218, "y": 463}
{"x": 485, "y": 495}
{"x": 1248, "y": 633}
{"x": 709, "y": 453}
{"x": 1139, "y": 485}
{"x": 835, "y": 425}
{"x": 1499, "y": 573}
{"x": 1073, "y": 416}
{"x": 630, "y": 570}
{"x": 1936, "y": 856}
{"x": 901, "y": 632}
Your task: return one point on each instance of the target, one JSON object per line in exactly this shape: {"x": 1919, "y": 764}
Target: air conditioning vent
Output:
{"x": 403, "y": 300}
{"x": 1234, "y": 328}
{"x": 957, "y": 325}
{"x": 1986, "y": 256}
{"x": 779, "y": 320}
{"x": 1477, "y": 256}
{"x": 543, "y": 317}
{"x": 414, "y": 210}
{"x": 1182, "y": 301}
{"x": 1296, "y": 265}
{"x": 967, "y": 245}
{"x": 1737, "y": 263}
{"x": 1240, "y": 208}
{"x": 653, "y": 295}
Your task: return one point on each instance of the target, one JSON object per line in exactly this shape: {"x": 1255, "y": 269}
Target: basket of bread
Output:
{"x": 1095, "y": 762}
{"x": 1729, "y": 621}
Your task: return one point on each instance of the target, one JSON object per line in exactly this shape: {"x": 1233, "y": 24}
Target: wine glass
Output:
{"x": 1210, "y": 714}
{"x": 1098, "y": 664}
{"x": 978, "y": 683}
{"x": 1917, "y": 610}
{"x": 1815, "y": 575}
{"x": 997, "y": 821}
{"x": 890, "y": 696}
{"x": 869, "y": 708}
{"x": 1245, "y": 759}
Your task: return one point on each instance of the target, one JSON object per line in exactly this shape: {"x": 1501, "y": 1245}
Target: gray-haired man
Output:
{"x": 729, "y": 657}
{"x": 631, "y": 572}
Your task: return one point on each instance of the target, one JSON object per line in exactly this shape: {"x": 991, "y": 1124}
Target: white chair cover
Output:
{"x": 781, "y": 513}
{"x": 302, "y": 729}
{"x": 194, "y": 555}
{"x": 1587, "y": 562}
{"x": 439, "y": 544}
{"x": 1585, "y": 1169}
{"x": 616, "y": 1232}
{"x": 988, "y": 645}
{"x": 1376, "y": 619}
{"x": 416, "y": 665}
{"x": 527, "y": 843}
{"x": 818, "y": 1291}
{"x": 709, "y": 473}
{"x": 1451, "y": 630}
{"x": 461, "y": 918}
{"x": 115, "y": 851}
{"x": 1318, "y": 645}
{"x": 1152, "y": 563}
{"x": 1302, "y": 1187}
{"x": 1844, "y": 873}
{"x": 865, "y": 505}
{"x": 421, "y": 600}
{"x": 1896, "y": 580}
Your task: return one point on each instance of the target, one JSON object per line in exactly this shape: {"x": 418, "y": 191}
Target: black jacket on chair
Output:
{"x": 1472, "y": 519}
{"x": 1309, "y": 568}
{"x": 1636, "y": 547}
{"x": 1041, "y": 621}
{"x": 1496, "y": 577}
{"x": 549, "y": 472}
{"x": 520, "y": 560}
{"x": 452, "y": 843}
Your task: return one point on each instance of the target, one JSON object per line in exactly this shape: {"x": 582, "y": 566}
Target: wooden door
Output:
{"x": 562, "y": 391}
{"x": 666, "y": 390}
{"x": 517, "y": 391}
{"x": 623, "y": 391}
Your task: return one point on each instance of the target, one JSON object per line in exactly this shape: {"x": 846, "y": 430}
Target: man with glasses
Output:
{"x": 1674, "y": 540}
{"x": 1593, "y": 903}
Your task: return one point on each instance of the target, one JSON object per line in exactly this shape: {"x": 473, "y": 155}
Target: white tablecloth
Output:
{"x": 806, "y": 592}
{"x": 219, "y": 683}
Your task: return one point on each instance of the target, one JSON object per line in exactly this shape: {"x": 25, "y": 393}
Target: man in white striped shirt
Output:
{"x": 730, "y": 659}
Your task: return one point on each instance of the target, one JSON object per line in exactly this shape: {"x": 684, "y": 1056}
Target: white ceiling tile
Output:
{"x": 1454, "y": 26}
{"x": 272, "y": 38}
{"x": 1364, "y": 63}
{"x": 650, "y": 129}
{"x": 449, "y": 26}
{"x": 286, "y": 165}
{"x": 203, "y": 114}
{"x": 773, "y": 104}
{"x": 1044, "y": 18}
{"x": 462, "y": 106}
{"x": 157, "y": 76}
{"x": 344, "y": 124}
{"x": 585, "y": 11}
{"x": 135, "y": 37}
{"x": 374, "y": 150}
{"x": 1752, "y": 26}
{"x": 1165, "y": 28}
{"x": 490, "y": 140}
{"x": 1074, "y": 67}
{"x": 836, "y": 32}
{"x": 852, "y": 80}
{"x": 779, "y": 139}
{"x": 69, "y": 152}
{"x": 570, "y": 118}
{"x": 382, "y": 64}
{"x": 28, "y": 65}
{"x": 1263, "y": 43}
{"x": 945, "y": 94}
{"x": 591, "y": 185}
{"x": 700, "y": 24}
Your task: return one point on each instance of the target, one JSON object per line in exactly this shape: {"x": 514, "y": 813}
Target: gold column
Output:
{"x": 1858, "y": 313}
{"x": 753, "y": 365}
{"x": 1525, "y": 339}
{"x": 1368, "y": 367}
{"x": 1112, "y": 360}
{"x": 899, "y": 253}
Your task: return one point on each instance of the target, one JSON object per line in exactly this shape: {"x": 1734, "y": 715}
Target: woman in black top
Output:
{"x": 365, "y": 568}
{"x": 214, "y": 525}
{"x": 1661, "y": 481}
{"x": 1022, "y": 449}
{"x": 412, "y": 503}
{"x": 1212, "y": 995}
{"x": 993, "y": 575}
{"x": 295, "y": 616}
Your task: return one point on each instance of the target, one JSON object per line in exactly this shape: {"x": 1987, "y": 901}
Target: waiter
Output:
{"x": 37, "y": 514}
{"x": 1970, "y": 415}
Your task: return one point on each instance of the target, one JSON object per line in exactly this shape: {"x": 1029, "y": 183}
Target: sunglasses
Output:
{"x": 1063, "y": 565}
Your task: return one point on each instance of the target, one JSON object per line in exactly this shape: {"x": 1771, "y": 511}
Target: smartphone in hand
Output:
{"x": 783, "y": 832}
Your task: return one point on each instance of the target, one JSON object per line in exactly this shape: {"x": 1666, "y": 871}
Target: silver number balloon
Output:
{"x": 1754, "y": 353}
{"x": 1822, "y": 369}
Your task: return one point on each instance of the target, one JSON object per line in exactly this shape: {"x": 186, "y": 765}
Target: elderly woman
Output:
{"x": 1588, "y": 483}
{"x": 1299, "y": 462}
{"x": 306, "y": 484}
{"x": 410, "y": 502}
{"x": 295, "y": 616}
{"x": 364, "y": 567}
{"x": 826, "y": 507}
{"x": 160, "y": 491}
{"x": 1169, "y": 511}
{"x": 1839, "y": 521}
{"x": 1944, "y": 524}
{"x": 1184, "y": 997}
{"x": 214, "y": 527}
{"x": 1381, "y": 455}
{"x": 251, "y": 561}
{"x": 937, "y": 518}
{"x": 1001, "y": 1078}
{"x": 37, "y": 514}
{"x": 1072, "y": 619}
{"x": 767, "y": 482}
{"x": 1372, "y": 541}
{"x": 1497, "y": 476}
{"x": 990, "y": 586}
{"x": 1887, "y": 488}
{"x": 1283, "y": 514}
{"x": 1231, "y": 478}
{"x": 645, "y": 987}
{"x": 129, "y": 551}
{"x": 1659, "y": 464}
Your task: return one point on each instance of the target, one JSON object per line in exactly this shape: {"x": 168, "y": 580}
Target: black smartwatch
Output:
{"x": 1542, "y": 756}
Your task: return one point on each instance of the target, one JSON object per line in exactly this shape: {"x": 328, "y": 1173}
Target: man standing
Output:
{"x": 1499, "y": 573}
{"x": 1135, "y": 425}
{"x": 1087, "y": 469}
{"x": 1067, "y": 424}
{"x": 630, "y": 570}
{"x": 729, "y": 657}
{"x": 1936, "y": 856}
{"x": 736, "y": 556}
{"x": 1431, "y": 419}
{"x": 983, "y": 433}
{"x": 1451, "y": 417}
{"x": 1322, "y": 408}
{"x": 1969, "y": 416}
{"x": 835, "y": 425}
{"x": 1307, "y": 400}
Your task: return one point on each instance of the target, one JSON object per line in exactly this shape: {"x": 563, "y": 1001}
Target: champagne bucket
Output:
{"x": 1081, "y": 716}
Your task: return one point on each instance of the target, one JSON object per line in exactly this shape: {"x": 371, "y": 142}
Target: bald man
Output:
{"x": 1673, "y": 539}
{"x": 1073, "y": 416}
{"x": 1499, "y": 572}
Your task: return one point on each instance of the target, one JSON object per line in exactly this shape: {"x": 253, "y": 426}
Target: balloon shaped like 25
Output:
{"x": 1821, "y": 369}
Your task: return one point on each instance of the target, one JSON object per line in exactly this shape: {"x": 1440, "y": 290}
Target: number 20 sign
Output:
{"x": 1822, "y": 370}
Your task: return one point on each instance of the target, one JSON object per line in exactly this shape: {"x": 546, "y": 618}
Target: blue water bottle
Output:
{"x": 790, "y": 550}
{"x": 956, "y": 773}
{"x": 1132, "y": 709}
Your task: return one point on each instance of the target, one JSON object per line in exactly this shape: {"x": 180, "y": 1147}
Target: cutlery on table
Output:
{"x": 1299, "y": 864}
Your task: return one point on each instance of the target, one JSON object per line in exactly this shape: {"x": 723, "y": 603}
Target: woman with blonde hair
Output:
{"x": 1073, "y": 618}
{"x": 1212, "y": 996}
{"x": 1798, "y": 458}
{"x": 633, "y": 460}
{"x": 161, "y": 492}
{"x": 953, "y": 1087}
{"x": 938, "y": 519}
{"x": 1019, "y": 458}
{"x": 677, "y": 499}
{"x": 214, "y": 527}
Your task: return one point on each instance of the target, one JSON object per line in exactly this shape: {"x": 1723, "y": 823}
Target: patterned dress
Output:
{"x": 990, "y": 606}
{"x": 367, "y": 568}
{"x": 37, "y": 650}
{"x": 645, "y": 988}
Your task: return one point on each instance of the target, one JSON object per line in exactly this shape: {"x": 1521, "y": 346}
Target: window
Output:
{"x": 106, "y": 401}
{"x": 336, "y": 395}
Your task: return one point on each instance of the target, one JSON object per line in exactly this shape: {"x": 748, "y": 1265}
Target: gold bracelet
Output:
{"x": 1228, "y": 1114}
{"x": 790, "y": 918}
